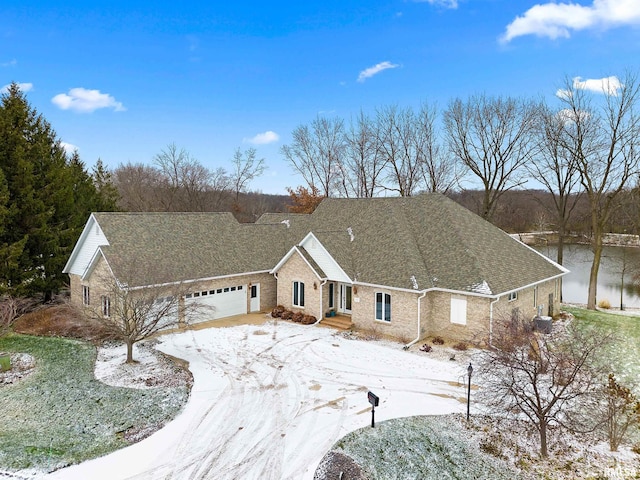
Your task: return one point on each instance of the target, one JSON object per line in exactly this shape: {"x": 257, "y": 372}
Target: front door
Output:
{"x": 254, "y": 297}
{"x": 345, "y": 298}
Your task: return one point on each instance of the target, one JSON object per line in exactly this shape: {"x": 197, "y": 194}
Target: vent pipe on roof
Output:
{"x": 350, "y": 232}
{"x": 287, "y": 222}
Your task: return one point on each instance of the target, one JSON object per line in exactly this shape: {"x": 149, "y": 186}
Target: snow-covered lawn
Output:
{"x": 269, "y": 401}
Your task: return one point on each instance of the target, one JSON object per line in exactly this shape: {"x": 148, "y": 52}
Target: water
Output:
{"x": 578, "y": 259}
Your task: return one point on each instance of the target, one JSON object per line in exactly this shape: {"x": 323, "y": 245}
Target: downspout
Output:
{"x": 321, "y": 316}
{"x": 408, "y": 345}
{"x": 491, "y": 321}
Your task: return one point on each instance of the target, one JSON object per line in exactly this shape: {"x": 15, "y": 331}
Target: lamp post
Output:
{"x": 469, "y": 371}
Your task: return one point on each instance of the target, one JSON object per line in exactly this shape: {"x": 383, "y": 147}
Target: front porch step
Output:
{"x": 341, "y": 322}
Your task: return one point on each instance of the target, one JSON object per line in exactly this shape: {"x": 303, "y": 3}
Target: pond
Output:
{"x": 578, "y": 259}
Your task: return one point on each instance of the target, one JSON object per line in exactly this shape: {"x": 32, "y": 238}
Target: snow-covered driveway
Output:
{"x": 269, "y": 401}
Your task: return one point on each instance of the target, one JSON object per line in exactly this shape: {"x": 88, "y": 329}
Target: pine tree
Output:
{"x": 108, "y": 192}
{"x": 49, "y": 199}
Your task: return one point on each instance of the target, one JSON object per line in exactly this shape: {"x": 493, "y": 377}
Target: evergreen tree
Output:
{"x": 108, "y": 192}
{"x": 48, "y": 199}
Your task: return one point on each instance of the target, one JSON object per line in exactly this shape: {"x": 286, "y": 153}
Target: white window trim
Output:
{"x": 513, "y": 296}
{"x": 384, "y": 307}
{"x": 106, "y": 306}
{"x": 86, "y": 295}
{"x": 297, "y": 290}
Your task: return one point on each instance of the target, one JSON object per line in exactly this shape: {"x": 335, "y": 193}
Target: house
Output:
{"x": 406, "y": 267}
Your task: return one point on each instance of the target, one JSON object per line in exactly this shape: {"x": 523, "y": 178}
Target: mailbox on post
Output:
{"x": 373, "y": 400}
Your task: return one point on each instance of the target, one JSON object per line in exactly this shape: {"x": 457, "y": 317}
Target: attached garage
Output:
{"x": 218, "y": 303}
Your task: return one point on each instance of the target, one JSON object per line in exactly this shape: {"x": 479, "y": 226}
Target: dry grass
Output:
{"x": 61, "y": 321}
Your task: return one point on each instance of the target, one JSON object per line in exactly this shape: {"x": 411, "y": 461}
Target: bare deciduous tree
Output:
{"x": 363, "y": 165}
{"x": 317, "y": 152}
{"x": 556, "y": 168}
{"x": 399, "y": 144}
{"x": 139, "y": 187}
{"x": 133, "y": 314}
{"x": 602, "y": 138}
{"x": 440, "y": 172}
{"x": 493, "y": 138}
{"x": 188, "y": 180}
{"x": 246, "y": 167}
{"x": 541, "y": 377}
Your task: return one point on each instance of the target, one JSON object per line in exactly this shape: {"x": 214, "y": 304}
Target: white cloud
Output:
{"x": 10, "y": 63}
{"x": 440, "y": 3}
{"x": 606, "y": 86}
{"x": 557, "y": 20}
{"x": 69, "y": 148}
{"x": 86, "y": 101}
{"x": 24, "y": 87}
{"x": 263, "y": 138}
{"x": 371, "y": 71}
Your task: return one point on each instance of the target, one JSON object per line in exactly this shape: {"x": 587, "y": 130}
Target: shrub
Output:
{"x": 636, "y": 448}
{"x": 308, "y": 319}
{"x": 460, "y": 346}
{"x": 287, "y": 315}
{"x": 604, "y": 303}
{"x": 437, "y": 341}
{"x": 297, "y": 317}
{"x": 425, "y": 348}
{"x": 277, "y": 311}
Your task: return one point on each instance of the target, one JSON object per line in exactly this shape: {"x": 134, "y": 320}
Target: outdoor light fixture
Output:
{"x": 469, "y": 371}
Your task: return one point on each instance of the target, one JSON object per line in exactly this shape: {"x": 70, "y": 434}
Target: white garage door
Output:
{"x": 214, "y": 304}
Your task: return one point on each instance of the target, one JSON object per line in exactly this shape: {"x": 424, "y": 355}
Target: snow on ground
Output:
{"x": 269, "y": 401}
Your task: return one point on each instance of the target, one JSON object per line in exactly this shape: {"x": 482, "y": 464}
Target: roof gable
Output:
{"x": 91, "y": 239}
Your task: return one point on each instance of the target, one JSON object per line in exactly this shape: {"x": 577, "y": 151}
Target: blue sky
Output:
{"x": 120, "y": 80}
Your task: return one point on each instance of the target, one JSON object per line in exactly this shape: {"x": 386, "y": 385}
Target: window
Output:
{"x": 383, "y": 307}
{"x": 106, "y": 306}
{"x": 86, "y": 300}
{"x": 513, "y": 296}
{"x": 254, "y": 291}
{"x": 212, "y": 292}
{"x": 205, "y": 293}
{"x": 226, "y": 289}
{"x": 332, "y": 288}
{"x": 458, "y": 310}
{"x": 239, "y": 287}
{"x": 233, "y": 289}
{"x": 196, "y": 294}
{"x": 298, "y": 294}
{"x": 188, "y": 295}
{"x": 219, "y": 290}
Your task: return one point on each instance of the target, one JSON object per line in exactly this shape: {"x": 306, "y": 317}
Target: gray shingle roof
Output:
{"x": 427, "y": 240}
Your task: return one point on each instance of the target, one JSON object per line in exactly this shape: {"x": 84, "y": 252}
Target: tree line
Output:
{"x": 482, "y": 151}
{"x": 583, "y": 147}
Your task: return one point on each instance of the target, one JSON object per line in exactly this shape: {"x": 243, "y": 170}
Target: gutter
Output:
{"x": 491, "y": 321}
{"x": 408, "y": 345}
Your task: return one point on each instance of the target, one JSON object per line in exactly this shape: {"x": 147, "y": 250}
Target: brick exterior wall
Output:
{"x": 404, "y": 312}
{"x": 99, "y": 284}
{"x": 436, "y": 318}
{"x": 296, "y": 269}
